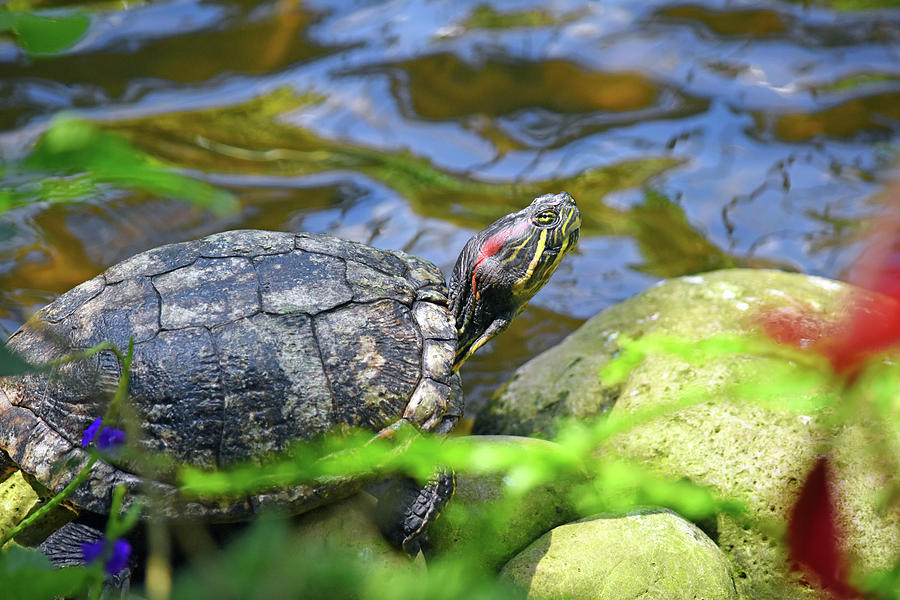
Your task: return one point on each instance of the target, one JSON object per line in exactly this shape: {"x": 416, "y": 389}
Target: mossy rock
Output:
{"x": 17, "y": 499}
{"x": 21, "y": 496}
{"x": 756, "y": 453}
{"x": 647, "y": 555}
{"x": 486, "y": 519}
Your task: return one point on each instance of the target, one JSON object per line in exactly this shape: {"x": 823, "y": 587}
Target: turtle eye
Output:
{"x": 545, "y": 217}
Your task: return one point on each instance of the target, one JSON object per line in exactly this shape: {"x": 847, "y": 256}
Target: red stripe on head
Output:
{"x": 493, "y": 245}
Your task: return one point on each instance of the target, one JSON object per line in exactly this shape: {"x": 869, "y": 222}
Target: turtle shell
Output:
{"x": 244, "y": 342}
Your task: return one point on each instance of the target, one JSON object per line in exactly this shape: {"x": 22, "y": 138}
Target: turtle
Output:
{"x": 246, "y": 341}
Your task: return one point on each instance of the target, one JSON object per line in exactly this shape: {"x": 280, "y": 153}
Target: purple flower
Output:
{"x": 90, "y": 551}
{"x": 90, "y": 432}
{"x": 120, "y": 552}
{"x": 109, "y": 438}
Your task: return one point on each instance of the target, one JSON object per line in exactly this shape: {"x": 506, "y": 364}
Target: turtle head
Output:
{"x": 503, "y": 266}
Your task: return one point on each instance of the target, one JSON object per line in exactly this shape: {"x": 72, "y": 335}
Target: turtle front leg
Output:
{"x": 407, "y": 508}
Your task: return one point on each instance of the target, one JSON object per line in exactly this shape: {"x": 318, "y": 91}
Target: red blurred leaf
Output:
{"x": 872, "y": 326}
{"x": 814, "y": 539}
{"x": 873, "y": 322}
{"x": 870, "y": 323}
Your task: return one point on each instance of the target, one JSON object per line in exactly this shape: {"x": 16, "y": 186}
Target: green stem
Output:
{"x": 112, "y": 411}
{"x": 75, "y": 356}
{"x": 55, "y": 500}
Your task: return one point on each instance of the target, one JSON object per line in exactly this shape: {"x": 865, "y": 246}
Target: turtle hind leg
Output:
{"x": 407, "y": 508}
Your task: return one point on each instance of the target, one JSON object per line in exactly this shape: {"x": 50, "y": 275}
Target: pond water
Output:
{"x": 693, "y": 135}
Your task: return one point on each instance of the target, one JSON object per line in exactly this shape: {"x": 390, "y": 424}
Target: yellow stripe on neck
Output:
{"x": 538, "y": 252}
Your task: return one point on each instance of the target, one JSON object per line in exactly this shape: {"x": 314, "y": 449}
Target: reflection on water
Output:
{"x": 693, "y": 135}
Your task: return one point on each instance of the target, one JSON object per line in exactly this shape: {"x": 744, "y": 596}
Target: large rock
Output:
{"x": 646, "y": 555}
{"x": 759, "y": 454}
{"x": 488, "y": 519}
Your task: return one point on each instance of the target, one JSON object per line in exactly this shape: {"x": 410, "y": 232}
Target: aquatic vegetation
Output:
{"x": 74, "y": 159}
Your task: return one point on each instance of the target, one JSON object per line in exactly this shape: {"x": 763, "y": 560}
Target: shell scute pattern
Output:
{"x": 244, "y": 342}
{"x": 154, "y": 262}
{"x": 245, "y": 242}
{"x": 369, "y": 285}
{"x": 266, "y": 383}
{"x": 380, "y": 260}
{"x": 207, "y": 292}
{"x": 302, "y": 282}
{"x": 179, "y": 402}
{"x": 73, "y": 300}
{"x": 130, "y": 307}
{"x": 372, "y": 354}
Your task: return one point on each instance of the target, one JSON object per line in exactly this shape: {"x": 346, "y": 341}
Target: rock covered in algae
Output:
{"x": 651, "y": 553}
{"x": 756, "y": 452}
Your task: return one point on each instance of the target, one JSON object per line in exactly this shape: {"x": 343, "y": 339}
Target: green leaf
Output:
{"x": 26, "y": 574}
{"x": 618, "y": 486}
{"x": 74, "y": 157}
{"x": 49, "y": 35}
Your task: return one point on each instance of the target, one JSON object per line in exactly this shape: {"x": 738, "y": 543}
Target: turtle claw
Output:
{"x": 407, "y": 508}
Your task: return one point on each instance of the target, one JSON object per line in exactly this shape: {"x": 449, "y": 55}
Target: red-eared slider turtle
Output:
{"x": 246, "y": 341}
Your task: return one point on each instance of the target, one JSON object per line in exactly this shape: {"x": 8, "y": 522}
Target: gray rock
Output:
{"x": 651, "y": 554}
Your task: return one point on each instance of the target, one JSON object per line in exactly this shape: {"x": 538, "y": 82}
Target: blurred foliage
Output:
{"x": 11, "y": 363}
{"x": 73, "y": 159}
{"x": 263, "y": 563}
{"x": 44, "y": 34}
{"x": 26, "y": 573}
{"x": 265, "y": 559}
{"x": 868, "y": 400}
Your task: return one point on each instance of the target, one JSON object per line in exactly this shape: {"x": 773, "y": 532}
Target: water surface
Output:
{"x": 694, "y": 136}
